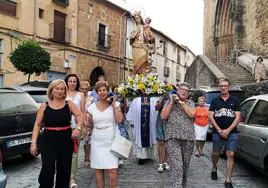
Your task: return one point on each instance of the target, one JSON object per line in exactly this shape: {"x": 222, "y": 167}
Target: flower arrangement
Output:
{"x": 143, "y": 85}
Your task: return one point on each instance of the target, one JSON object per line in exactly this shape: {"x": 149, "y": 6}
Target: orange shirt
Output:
{"x": 201, "y": 116}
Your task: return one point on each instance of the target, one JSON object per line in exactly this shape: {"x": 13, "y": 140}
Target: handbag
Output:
{"x": 121, "y": 147}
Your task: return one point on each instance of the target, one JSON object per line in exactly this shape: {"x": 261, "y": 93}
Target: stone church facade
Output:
{"x": 232, "y": 27}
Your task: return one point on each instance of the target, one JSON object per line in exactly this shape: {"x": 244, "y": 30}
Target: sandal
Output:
{"x": 87, "y": 164}
{"x": 73, "y": 184}
{"x": 197, "y": 154}
{"x": 160, "y": 168}
{"x": 166, "y": 167}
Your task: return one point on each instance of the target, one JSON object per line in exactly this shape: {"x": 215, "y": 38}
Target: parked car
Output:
{"x": 210, "y": 93}
{"x": 3, "y": 177}
{"x": 38, "y": 83}
{"x": 253, "y": 132}
{"x": 17, "y": 115}
{"x": 39, "y": 94}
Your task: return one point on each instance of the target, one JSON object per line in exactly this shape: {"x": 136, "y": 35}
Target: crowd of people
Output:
{"x": 171, "y": 122}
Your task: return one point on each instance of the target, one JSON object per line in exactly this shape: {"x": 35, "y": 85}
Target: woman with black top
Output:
{"x": 56, "y": 140}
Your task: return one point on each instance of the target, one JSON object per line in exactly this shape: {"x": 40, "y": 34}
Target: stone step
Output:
{"x": 236, "y": 74}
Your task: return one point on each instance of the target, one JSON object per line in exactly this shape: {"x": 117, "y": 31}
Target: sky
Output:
{"x": 181, "y": 20}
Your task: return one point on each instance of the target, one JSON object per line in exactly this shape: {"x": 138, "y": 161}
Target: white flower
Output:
{"x": 148, "y": 91}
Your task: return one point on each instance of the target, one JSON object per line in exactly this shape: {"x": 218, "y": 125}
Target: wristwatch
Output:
{"x": 79, "y": 128}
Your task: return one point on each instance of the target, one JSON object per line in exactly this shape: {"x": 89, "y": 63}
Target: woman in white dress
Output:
{"x": 104, "y": 117}
{"x": 73, "y": 94}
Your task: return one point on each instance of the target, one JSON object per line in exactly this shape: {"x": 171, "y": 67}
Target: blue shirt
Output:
{"x": 224, "y": 111}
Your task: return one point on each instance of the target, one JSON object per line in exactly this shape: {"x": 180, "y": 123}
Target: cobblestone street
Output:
{"x": 24, "y": 174}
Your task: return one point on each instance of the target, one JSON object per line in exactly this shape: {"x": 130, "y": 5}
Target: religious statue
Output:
{"x": 142, "y": 42}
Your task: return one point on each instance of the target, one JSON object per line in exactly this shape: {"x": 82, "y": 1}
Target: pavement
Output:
{"x": 132, "y": 175}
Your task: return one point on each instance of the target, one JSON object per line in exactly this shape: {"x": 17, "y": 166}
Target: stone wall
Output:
{"x": 250, "y": 19}
{"x": 91, "y": 13}
{"x": 209, "y": 19}
{"x": 203, "y": 72}
{"x": 256, "y": 88}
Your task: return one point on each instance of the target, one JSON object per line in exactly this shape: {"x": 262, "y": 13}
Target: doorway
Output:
{"x": 94, "y": 76}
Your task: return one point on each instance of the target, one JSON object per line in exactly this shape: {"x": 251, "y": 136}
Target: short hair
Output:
{"x": 101, "y": 76}
{"x": 77, "y": 80}
{"x": 224, "y": 80}
{"x": 100, "y": 84}
{"x": 53, "y": 84}
{"x": 184, "y": 84}
{"x": 201, "y": 97}
{"x": 86, "y": 83}
{"x": 260, "y": 58}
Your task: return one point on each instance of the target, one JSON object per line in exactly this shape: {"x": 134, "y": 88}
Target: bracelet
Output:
{"x": 78, "y": 128}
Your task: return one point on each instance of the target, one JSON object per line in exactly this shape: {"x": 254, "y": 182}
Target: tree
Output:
{"x": 29, "y": 57}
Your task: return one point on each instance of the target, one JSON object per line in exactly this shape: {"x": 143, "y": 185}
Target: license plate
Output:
{"x": 19, "y": 141}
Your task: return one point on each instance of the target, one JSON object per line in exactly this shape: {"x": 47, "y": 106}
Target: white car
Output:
{"x": 253, "y": 132}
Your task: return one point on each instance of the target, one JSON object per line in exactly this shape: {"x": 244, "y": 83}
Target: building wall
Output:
{"x": 209, "y": 19}
{"x": 27, "y": 24}
{"x": 250, "y": 27}
{"x": 92, "y": 13}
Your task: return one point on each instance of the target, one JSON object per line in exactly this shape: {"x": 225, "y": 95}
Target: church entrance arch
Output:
{"x": 224, "y": 31}
{"x": 96, "y": 72}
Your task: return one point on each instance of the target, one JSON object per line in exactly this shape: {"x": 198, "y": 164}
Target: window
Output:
{"x": 8, "y": 7}
{"x": 245, "y": 107}
{"x": 164, "y": 48}
{"x": 1, "y": 53}
{"x": 178, "y": 57}
{"x": 103, "y": 38}
{"x": 13, "y": 102}
{"x": 102, "y": 29}
{"x": 61, "y": 2}
{"x": 41, "y": 13}
{"x": 59, "y": 27}
{"x": 259, "y": 115}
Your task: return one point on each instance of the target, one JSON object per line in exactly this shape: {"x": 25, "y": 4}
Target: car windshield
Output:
{"x": 16, "y": 102}
{"x": 38, "y": 96}
{"x": 239, "y": 94}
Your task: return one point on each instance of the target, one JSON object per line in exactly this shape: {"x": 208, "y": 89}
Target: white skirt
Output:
{"x": 101, "y": 143}
{"x": 200, "y": 132}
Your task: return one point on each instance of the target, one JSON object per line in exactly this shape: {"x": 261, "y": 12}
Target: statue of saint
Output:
{"x": 141, "y": 41}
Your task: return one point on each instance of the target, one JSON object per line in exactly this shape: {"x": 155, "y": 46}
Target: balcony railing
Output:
{"x": 61, "y": 36}
{"x": 64, "y": 3}
{"x": 103, "y": 41}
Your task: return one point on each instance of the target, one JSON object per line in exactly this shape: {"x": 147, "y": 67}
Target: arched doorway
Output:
{"x": 224, "y": 31}
{"x": 94, "y": 75}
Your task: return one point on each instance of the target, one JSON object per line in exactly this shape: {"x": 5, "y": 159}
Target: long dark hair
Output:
{"x": 77, "y": 80}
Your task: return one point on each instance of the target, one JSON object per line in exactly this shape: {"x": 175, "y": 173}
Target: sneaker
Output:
{"x": 228, "y": 184}
{"x": 160, "y": 168}
{"x": 73, "y": 184}
{"x": 166, "y": 167}
{"x": 214, "y": 175}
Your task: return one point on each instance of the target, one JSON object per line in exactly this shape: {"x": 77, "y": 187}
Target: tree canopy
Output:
{"x": 29, "y": 57}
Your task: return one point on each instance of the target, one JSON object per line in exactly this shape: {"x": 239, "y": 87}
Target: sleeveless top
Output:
{"x": 57, "y": 117}
{"x": 180, "y": 125}
{"x": 201, "y": 116}
{"x": 77, "y": 101}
